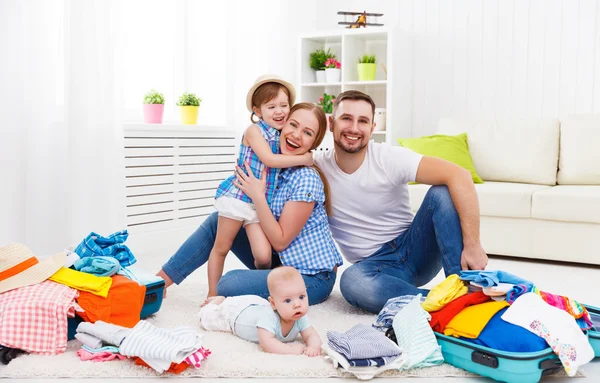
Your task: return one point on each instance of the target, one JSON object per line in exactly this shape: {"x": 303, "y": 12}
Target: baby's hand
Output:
{"x": 312, "y": 351}
{"x": 308, "y": 159}
{"x": 297, "y": 348}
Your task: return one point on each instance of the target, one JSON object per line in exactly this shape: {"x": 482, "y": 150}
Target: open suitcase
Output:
{"x": 510, "y": 367}
{"x": 152, "y": 302}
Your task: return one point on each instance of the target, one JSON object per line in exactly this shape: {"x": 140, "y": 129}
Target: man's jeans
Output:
{"x": 433, "y": 240}
{"x": 195, "y": 252}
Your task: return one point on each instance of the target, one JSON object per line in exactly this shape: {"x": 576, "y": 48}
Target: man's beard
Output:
{"x": 353, "y": 149}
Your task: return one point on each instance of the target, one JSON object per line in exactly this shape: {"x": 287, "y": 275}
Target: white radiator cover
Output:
{"x": 172, "y": 173}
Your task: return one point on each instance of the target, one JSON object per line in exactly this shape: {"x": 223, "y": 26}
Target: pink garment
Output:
{"x": 103, "y": 356}
{"x": 197, "y": 357}
{"x": 34, "y": 318}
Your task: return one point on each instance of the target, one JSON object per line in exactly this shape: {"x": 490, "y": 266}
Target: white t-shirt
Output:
{"x": 370, "y": 206}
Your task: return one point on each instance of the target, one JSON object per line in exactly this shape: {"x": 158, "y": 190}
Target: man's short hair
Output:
{"x": 353, "y": 95}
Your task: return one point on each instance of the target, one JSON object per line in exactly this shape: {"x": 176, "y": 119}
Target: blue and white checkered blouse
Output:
{"x": 313, "y": 250}
{"x": 227, "y": 187}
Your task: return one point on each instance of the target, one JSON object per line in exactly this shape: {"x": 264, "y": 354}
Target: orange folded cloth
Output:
{"x": 122, "y": 306}
{"x": 175, "y": 368}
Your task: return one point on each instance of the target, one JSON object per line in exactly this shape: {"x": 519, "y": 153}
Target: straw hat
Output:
{"x": 265, "y": 79}
{"x": 19, "y": 267}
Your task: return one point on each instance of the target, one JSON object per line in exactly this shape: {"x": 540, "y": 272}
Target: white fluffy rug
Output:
{"x": 231, "y": 357}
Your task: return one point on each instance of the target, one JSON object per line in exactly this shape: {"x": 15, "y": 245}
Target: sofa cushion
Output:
{"x": 451, "y": 148}
{"x": 496, "y": 199}
{"x": 579, "y": 155}
{"x": 508, "y": 151}
{"x": 569, "y": 203}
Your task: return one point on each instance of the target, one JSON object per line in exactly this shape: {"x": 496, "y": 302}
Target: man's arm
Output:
{"x": 436, "y": 171}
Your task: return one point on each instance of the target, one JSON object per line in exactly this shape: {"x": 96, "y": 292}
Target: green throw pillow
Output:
{"x": 451, "y": 148}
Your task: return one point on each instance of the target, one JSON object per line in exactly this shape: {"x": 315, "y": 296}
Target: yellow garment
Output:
{"x": 83, "y": 281}
{"x": 445, "y": 292}
{"x": 472, "y": 320}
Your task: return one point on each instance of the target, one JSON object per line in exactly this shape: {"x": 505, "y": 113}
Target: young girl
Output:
{"x": 269, "y": 99}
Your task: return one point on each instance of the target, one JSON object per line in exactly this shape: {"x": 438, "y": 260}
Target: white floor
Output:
{"x": 571, "y": 280}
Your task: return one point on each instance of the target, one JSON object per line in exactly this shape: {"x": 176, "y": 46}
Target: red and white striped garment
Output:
{"x": 196, "y": 358}
{"x": 34, "y": 318}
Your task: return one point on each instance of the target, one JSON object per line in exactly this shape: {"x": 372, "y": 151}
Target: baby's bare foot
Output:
{"x": 214, "y": 300}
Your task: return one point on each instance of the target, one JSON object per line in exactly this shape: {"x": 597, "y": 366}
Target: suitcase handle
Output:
{"x": 150, "y": 298}
{"x": 484, "y": 359}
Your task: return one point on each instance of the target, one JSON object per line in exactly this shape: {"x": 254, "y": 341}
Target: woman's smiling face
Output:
{"x": 299, "y": 132}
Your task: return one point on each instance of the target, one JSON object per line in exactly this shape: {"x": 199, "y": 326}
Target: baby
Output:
{"x": 272, "y": 323}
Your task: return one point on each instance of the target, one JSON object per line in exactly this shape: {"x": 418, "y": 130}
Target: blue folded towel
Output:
{"x": 487, "y": 278}
{"x": 99, "y": 266}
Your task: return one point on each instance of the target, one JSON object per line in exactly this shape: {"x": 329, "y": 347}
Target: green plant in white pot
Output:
{"x": 317, "y": 61}
{"x": 154, "y": 107}
{"x": 367, "y": 68}
{"x": 189, "y": 104}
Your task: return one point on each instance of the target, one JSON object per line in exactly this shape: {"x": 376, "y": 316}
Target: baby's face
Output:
{"x": 290, "y": 300}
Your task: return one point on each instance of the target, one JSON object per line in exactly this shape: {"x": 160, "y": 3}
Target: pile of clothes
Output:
{"x": 96, "y": 282}
{"x": 504, "y": 312}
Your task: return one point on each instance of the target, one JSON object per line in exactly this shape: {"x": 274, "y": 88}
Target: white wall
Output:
{"x": 498, "y": 59}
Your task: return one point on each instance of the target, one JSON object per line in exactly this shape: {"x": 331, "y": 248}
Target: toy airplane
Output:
{"x": 361, "y": 20}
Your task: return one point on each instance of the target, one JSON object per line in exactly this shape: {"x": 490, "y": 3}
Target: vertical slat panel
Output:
{"x": 552, "y": 57}
{"x": 568, "y": 56}
{"x": 474, "y": 58}
{"x": 505, "y": 39}
{"x": 421, "y": 69}
{"x": 519, "y": 59}
{"x": 459, "y": 94}
{"x": 535, "y": 59}
{"x": 586, "y": 47}
{"x": 489, "y": 58}
{"x": 432, "y": 77}
{"x": 446, "y": 58}
{"x": 596, "y": 78}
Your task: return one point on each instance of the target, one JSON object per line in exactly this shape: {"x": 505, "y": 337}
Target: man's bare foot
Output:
{"x": 214, "y": 300}
{"x": 168, "y": 281}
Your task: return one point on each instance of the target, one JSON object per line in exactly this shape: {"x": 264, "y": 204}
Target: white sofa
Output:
{"x": 541, "y": 195}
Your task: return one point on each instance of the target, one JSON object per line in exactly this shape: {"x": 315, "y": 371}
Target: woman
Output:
{"x": 295, "y": 223}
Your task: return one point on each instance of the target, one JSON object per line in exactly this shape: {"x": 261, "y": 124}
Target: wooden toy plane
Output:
{"x": 361, "y": 20}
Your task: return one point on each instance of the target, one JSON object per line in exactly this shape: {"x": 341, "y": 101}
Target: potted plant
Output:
{"x": 317, "y": 62}
{"x": 366, "y": 68}
{"x": 154, "y": 107}
{"x": 326, "y": 102}
{"x": 189, "y": 105}
{"x": 332, "y": 70}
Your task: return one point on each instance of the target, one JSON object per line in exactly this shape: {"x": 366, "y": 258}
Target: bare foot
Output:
{"x": 214, "y": 300}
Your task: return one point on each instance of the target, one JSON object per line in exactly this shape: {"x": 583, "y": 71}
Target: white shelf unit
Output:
{"x": 391, "y": 90}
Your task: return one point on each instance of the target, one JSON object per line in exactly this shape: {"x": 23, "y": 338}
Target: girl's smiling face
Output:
{"x": 275, "y": 111}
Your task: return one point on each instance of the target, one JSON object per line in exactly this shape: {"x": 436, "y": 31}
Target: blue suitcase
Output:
{"x": 510, "y": 367}
{"x": 152, "y": 303}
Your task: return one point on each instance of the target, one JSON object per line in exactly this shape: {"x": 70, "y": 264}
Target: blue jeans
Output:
{"x": 434, "y": 240}
{"x": 195, "y": 252}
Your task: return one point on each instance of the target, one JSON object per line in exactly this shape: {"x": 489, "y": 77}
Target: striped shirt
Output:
{"x": 362, "y": 342}
{"x": 227, "y": 188}
{"x": 415, "y": 336}
{"x": 313, "y": 250}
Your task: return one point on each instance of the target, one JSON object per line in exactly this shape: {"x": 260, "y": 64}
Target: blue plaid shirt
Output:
{"x": 227, "y": 188}
{"x": 313, "y": 250}
{"x": 95, "y": 245}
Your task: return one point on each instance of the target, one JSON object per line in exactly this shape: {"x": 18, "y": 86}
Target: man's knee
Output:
{"x": 440, "y": 196}
{"x": 228, "y": 284}
{"x": 359, "y": 291}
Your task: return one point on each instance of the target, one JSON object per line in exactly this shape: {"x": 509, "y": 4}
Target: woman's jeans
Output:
{"x": 195, "y": 252}
{"x": 433, "y": 240}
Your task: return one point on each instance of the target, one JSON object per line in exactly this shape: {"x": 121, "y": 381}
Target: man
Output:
{"x": 372, "y": 221}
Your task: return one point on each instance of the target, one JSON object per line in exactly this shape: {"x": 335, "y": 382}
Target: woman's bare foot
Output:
{"x": 168, "y": 281}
